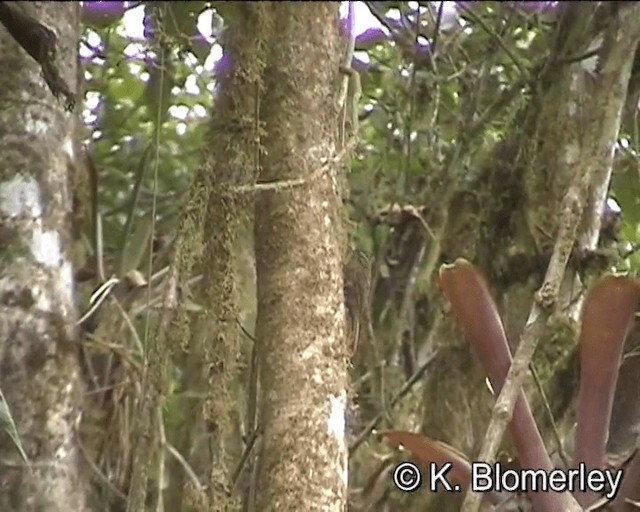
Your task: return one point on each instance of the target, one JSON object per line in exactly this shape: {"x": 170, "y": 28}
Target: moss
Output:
{"x": 207, "y": 242}
{"x": 22, "y": 298}
{"x": 11, "y": 244}
{"x": 558, "y": 342}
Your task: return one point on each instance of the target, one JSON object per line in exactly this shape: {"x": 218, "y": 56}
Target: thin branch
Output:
{"x": 368, "y": 429}
{"x": 436, "y": 32}
{"x": 348, "y": 56}
{"x": 185, "y": 465}
{"x": 507, "y": 50}
{"x": 40, "y": 42}
{"x": 244, "y": 457}
{"x": 287, "y": 184}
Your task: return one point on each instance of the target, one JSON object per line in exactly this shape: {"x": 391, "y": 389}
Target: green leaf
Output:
{"x": 158, "y": 91}
{"x": 181, "y": 19}
{"x": 137, "y": 245}
{"x": 626, "y": 188}
{"x": 9, "y": 427}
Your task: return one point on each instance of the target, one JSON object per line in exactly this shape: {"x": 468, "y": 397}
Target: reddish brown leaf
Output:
{"x": 478, "y": 315}
{"x": 608, "y": 313}
{"x": 630, "y": 488}
{"x": 427, "y": 451}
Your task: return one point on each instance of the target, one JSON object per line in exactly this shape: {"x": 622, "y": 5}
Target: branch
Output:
{"x": 39, "y": 42}
{"x": 396, "y": 398}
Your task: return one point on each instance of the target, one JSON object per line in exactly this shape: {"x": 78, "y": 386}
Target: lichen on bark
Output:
{"x": 39, "y": 372}
{"x": 207, "y": 343}
{"x": 300, "y": 326}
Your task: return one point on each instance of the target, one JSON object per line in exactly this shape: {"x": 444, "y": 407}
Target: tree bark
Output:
{"x": 39, "y": 371}
{"x": 300, "y": 325}
{"x": 211, "y": 235}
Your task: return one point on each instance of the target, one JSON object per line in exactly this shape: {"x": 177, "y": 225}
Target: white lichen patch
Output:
{"x": 41, "y": 299}
{"x": 323, "y": 309}
{"x": 336, "y": 426}
{"x": 336, "y": 423}
{"x": 36, "y": 126}
{"x": 67, "y": 147}
{"x": 65, "y": 284}
{"x": 316, "y": 377}
{"x": 326, "y": 218}
{"x": 61, "y": 453}
{"x": 45, "y": 246}
{"x": 310, "y": 351}
{"x": 572, "y": 153}
{"x": 20, "y": 196}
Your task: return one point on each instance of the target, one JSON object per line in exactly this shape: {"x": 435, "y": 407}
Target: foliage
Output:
{"x": 440, "y": 92}
{"x": 123, "y": 82}
{"x": 8, "y": 427}
{"x": 608, "y": 312}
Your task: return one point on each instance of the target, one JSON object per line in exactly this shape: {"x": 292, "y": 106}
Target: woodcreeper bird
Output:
{"x": 357, "y": 281}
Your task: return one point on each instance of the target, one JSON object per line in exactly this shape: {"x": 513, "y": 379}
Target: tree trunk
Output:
{"x": 211, "y": 234}
{"x": 39, "y": 371}
{"x": 300, "y": 325}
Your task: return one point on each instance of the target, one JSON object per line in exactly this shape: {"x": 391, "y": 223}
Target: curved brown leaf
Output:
{"x": 427, "y": 451}
{"x": 608, "y": 313}
{"x": 478, "y": 315}
{"x": 630, "y": 488}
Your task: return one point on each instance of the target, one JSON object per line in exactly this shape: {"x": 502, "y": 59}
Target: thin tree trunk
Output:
{"x": 39, "y": 372}
{"x": 210, "y": 235}
{"x": 300, "y": 325}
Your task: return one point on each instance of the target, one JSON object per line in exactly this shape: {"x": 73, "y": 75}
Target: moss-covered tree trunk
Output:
{"x": 39, "y": 373}
{"x": 300, "y": 324}
{"x": 212, "y": 240}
